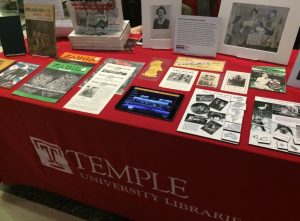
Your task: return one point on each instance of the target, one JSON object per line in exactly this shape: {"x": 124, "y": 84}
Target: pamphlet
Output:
{"x": 5, "y": 63}
{"x": 179, "y": 79}
{"x": 268, "y": 78}
{"x": 237, "y": 82}
{"x": 214, "y": 115}
{"x": 137, "y": 65}
{"x": 99, "y": 90}
{"x": 202, "y": 38}
{"x": 54, "y": 81}
{"x": 40, "y": 29}
{"x": 276, "y": 125}
{"x": 16, "y": 73}
{"x": 200, "y": 64}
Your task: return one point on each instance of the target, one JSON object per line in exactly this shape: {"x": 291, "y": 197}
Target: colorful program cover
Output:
{"x": 54, "y": 81}
{"x": 268, "y": 78}
{"x": 5, "y": 63}
{"x": 40, "y": 28}
{"x": 16, "y": 73}
{"x": 96, "y": 17}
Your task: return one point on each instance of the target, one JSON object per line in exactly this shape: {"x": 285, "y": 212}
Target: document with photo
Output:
{"x": 179, "y": 79}
{"x": 208, "y": 115}
{"x": 208, "y": 79}
{"x": 275, "y": 125}
{"x": 99, "y": 90}
{"x": 236, "y": 82}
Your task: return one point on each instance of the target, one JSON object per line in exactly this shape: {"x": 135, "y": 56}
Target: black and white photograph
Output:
{"x": 161, "y": 17}
{"x": 234, "y": 119}
{"x": 238, "y": 105}
{"x": 208, "y": 79}
{"x": 263, "y": 109}
{"x": 216, "y": 116}
{"x": 260, "y": 124}
{"x": 236, "y": 112}
{"x": 196, "y": 119}
{"x": 180, "y": 78}
{"x": 283, "y": 130}
{"x": 205, "y": 97}
{"x": 256, "y": 26}
{"x": 235, "y": 81}
{"x": 211, "y": 127}
{"x": 286, "y": 110}
{"x": 89, "y": 91}
{"x": 218, "y": 104}
{"x": 200, "y": 108}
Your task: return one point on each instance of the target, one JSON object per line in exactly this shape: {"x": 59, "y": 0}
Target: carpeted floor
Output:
{"x": 60, "y": 203}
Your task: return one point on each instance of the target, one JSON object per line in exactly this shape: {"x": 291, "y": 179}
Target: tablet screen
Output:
{"x": 149, "y": 102}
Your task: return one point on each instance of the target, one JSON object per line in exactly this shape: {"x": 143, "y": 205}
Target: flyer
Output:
{"x": 179, "y": 79}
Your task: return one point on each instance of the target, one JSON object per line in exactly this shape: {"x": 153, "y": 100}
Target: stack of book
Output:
{"x": 109, "y": 41}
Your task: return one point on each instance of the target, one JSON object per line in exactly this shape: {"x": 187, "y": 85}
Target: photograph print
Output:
{"x": 180, "y": 78}
{"x": 256, "y": 26}
{"x": 161, "y": 16}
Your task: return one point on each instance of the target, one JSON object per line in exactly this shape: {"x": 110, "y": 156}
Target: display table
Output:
{"x": 140, "y": 167}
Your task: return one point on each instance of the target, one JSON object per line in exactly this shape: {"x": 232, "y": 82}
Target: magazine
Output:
{"x": 138, "y": 66}
{"x": 5, "y": 63}
{"x": 40, "y": 29}
{"x": 96, "y": 17}
{"x": 16, "y": 73}
{"x": 276, "y": 125}
{"x": 54, "y": 81}
{"x": 214, "y": 115}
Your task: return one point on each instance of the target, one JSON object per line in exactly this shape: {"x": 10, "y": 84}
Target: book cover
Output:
{"x": 16, "y": 73}
{"x": 40, "y": 28}
{"x": 96, "y": 17}
{"x": 12, "y": 39}
{"x": 5, "y": 63}
{"x": 54, "y": 81}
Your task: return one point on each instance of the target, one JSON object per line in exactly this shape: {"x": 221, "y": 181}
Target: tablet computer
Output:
{"x": 150, "y": 102}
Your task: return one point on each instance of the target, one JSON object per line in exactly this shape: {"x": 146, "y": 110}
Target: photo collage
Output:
{"x": 214, "y": 115}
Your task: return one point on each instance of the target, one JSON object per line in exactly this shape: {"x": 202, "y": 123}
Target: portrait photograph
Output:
{"x": 256, "y": 26}
{"x": 161, "y": 16}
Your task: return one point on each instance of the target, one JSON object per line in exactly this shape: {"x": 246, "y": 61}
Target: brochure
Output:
{"x": 16, "y": 73}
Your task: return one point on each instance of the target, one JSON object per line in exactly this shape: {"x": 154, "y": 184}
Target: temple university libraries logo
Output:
{"x": 51, "y": 155}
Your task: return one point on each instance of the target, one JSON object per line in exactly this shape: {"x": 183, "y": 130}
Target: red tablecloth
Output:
{"x": 141, "y": 167}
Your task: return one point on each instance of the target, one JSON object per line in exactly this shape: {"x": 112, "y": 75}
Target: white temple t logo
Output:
{"x": 51, "y": 155}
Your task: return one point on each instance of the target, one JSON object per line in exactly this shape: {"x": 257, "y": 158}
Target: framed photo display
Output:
{"x": 158, "y": 22}
{"x": 294, "y": 79}
{"x": 261, "y": 30}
